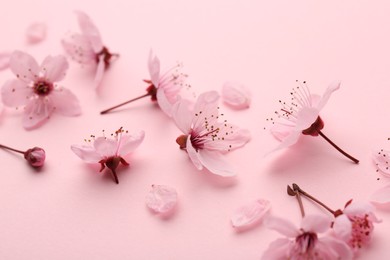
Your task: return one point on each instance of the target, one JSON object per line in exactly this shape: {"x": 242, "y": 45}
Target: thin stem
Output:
{"x": 298, "y": 195}
{"x": 300, "y": 191}
{"x": 12, "y": 149}
{"x": 338, "y": 148}
{"x": 113, "y": 173}
{"x": 124, "y": 103}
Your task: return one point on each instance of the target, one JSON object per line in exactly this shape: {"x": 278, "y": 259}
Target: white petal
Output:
{"x": 236, "y": 95}
{"x": 342, "y": 227}
{"x": 282, "y": 226}
{"x": 154, "y": 68}
{"x": 325, "y": 97}
{"x": 87, "y": 153}
{"x": 163, "y": 102}
{"x": 306, "y": 117}
{"x": 381, "y": 197}
{"x": 36, "y": 32}
{"x": 251, "y": 214}
{"x": 161, "y": 199}
{"x": 316, "y": 223}
{"x": 214, "y": 162}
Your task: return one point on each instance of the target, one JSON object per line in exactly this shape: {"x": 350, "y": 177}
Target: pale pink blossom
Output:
{"x": 36, "y": 32}
{"x": 109, "y": 152}
{"x": 87, "y": 48}
{"x": 381, "y": 159}
{"x": 236, "y": 95}
{"x": 310, "y": 241}
{"x": 362, "y": 219}
{"x": 251, "y": 214}
{"x": 36, "y": 89}
{"x": 161, "y": 199}
{"x": 4, "y": 60}
{"x": 381, "y": 197}
{"x": 206, "y": 135}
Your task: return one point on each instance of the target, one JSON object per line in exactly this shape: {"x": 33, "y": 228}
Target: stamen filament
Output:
{"x": 338, "y": 148}
{"x": 124, "y": 103}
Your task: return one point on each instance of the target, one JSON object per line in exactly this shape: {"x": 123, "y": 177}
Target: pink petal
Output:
{"x": 4, "y": 60}
{"x": 154, "y": 68}
{"x": 128, "y": 143}
{"x": 193, "y": 154}
{"x": 24, "y": 66}
{"x": 36, "y": 33}
{"x": 251, "y": 214}
{"x": 16, "y": 93}
{"x": 306, "y": 117}
{"x": 236, "y": 95}
{"x": 278, "y": 250}
{"x": 87, "y": 153}
{"x": 325, "y": 97}
{"x": 342, "y": 228}
{"x": 54, "y": 68}
{"x": 316, "y": 223}
{"x": 381, "y": 197}
{"x": 182, "y": 116}
{"x": 230, "y": 142}
{"x": 381, "y": 159}
{"x": 105, "y": 147}
{"x": 101, "y": 66}
{"x": 206, "y": 106}
{"x": 89, "y": 29}
{"x": 163, "y": 102}
{"x": 65, "y": 102}
{"x": 36, "y": 113}
{"x": 213, "y": 161}
{"x": 358, "y": 208}
{"x": 282, "y": 226}
{"x": 288, "y": 141}
{"x": 332, "y": 248}
{"x": 78, "y": 47}
{"x": 161, "y": 199}
{"x": 281, "y": 131}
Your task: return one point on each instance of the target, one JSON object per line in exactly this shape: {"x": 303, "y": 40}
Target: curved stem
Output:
{"x": 11, "y": 149}
{"x": 298, "y": 196}
{"x": 124, "y": 103}
{"x": 338, "y": 148}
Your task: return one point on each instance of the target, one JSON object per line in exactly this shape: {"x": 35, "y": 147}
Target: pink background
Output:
{"x": 69, "y": 211}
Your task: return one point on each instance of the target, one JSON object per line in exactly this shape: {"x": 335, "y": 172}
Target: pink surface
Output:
{"x": 70, "y": 211}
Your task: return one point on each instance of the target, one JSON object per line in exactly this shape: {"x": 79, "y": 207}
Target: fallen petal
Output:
{"x": 251, "y": 214}
{"x": 36, "y": 33}
{"x": 236, "y": 95}
{"x": 381, "y": 198}
{"x": 4, "y": 60}
{"x": 161, "y": 199}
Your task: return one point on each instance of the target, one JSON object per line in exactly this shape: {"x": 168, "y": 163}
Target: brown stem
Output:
{"x": 338, "y": 148}
{"x": 113, "y": 173}
{"x": 12, "y": 149}
{"x": 298, "y": 196}
{"x": 124, "y": 103}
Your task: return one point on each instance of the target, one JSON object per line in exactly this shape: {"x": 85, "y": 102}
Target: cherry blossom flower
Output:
{"x": 4, "y": 60}
{"x": 362, "y": 219}
{"x": 87, "y": 48}
{"x": 109, "y": 152}
{"x": 301, "y": 117}
{"x": 36, "y": 90}
{"x": 250, "y": 215}
{"x": 310, "y": 241}
{"x": 236, "y": 95}
{"x": 36, "y": 32}
{"x": 163, "y": 87}
{"x": 381, "y": 197}
{"x": 381, "y": 159}
{"x": 35, "y": 156}
{"x": 205, "y": 136}
{"x": 161, "y": 199}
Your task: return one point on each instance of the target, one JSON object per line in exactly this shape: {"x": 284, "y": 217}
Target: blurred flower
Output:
{"x": 305, "y": 242}
{"x": 205, "y": 137}
{"x": 4, "y": 60}
{"x": 36, "y": 90}
{"x": 236, "y": 95}
{"x": 251, "y": 214}
{"x": 161, "y": 199}
{"x": 36, "y": 32}
{"x": 87, "y": 47}
{"x": 109, "y": 152}
{"x": 381, "y": 197}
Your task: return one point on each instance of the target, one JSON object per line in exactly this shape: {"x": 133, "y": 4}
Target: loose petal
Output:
{"x": 24, "y": 66}
{"x": 236, "y": 95}
{"x": 36, "y": 113}
{"x": 89, "y": 29}
{"x": 154, "y": 68}
{"x": 65, "y": 102}
{"x": 54, "y": 68}
{"x": 251, "y": 214}
{"x": 214, "y": 162}
{"x": 4, "y": 60}
{"x": 161, "y": 199}
{"x": 36, "y": 32}
{"x": 381, "y": 197}
{"x": 87, "y": 153}
{"x": 16, "y": 93}
{"x": 101, "y": 66}
{"x": 128, "y": 143}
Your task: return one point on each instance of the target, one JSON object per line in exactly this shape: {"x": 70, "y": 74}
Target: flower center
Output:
{"x": 314, "y": 128}
{"x": 43, "y": 88}
{"x": 106, "y": 56}
{"x": 306, "y": 242}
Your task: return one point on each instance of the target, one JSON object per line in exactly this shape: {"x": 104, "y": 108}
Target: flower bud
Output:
{"x": 35, "y": 156}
